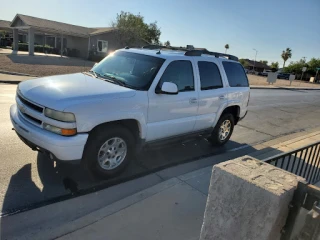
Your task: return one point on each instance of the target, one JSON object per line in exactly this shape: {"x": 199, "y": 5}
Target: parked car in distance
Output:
{"x": 131, "y": 99}
{"x": 283, "y": 76}
{"x": 264, "y": 73}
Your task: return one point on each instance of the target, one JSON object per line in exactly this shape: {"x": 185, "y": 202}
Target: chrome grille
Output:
{"x": 30, "y": 111}
{"x": 30, "y": 104}
{"x": 30, "y": 118}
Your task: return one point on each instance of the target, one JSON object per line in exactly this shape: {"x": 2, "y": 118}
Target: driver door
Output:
{"x": 172, "y": 115}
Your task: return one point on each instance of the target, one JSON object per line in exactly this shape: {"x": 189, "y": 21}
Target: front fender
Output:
{"x": 86, "y": 124}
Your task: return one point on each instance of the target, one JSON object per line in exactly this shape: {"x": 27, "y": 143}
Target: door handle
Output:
{"x": 222, "y": 97}
{"x": 193, "y": 100}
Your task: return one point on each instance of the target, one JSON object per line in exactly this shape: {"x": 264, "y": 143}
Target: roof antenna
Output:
{"x": 159, "y": 52}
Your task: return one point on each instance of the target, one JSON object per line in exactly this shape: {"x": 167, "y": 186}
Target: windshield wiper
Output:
{"x": 93, "y": 73}
{"x": 114, "y": 80}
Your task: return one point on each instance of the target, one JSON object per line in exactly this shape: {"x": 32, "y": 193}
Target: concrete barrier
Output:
{"x": 248, "y": 199}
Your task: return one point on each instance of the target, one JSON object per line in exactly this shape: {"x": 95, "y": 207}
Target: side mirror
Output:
{"x": 168, "y": 88}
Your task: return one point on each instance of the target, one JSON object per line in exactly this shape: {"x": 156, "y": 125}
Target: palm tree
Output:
{"x": 286, "y": 55}
{"x": 226, "y": 47}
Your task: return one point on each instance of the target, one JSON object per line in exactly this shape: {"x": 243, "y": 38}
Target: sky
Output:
{"x": 267, "y": 26}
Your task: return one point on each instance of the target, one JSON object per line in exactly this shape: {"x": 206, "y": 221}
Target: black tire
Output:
{"x": 215, "y": 139}
{"x": 96, "y": 140}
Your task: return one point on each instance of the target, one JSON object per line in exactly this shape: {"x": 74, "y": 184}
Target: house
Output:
{"x": 5, "y": 33}
{"x": 63, "y": 38}
{"x": 256, "y": 66}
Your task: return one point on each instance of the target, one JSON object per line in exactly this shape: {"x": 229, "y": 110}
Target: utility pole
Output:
{"x": 254, "y": 64}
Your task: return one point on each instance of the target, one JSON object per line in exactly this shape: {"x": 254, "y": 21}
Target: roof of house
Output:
{"x": 54, "y": 26}
{"x": 4, "y": 24}
{"x": 257, "y": 64}
{"x": 101, "y": 30}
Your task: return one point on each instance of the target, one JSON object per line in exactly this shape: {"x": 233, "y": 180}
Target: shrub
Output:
{"x": 37, "y": 48}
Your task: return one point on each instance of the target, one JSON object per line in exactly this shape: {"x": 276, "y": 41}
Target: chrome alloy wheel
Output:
{"x": 224, "y": 130}
{"x": 112, "y": 153}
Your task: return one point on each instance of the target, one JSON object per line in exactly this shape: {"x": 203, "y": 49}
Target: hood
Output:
{"x": 59, "y": 92}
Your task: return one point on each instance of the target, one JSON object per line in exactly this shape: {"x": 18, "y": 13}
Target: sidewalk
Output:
{"x": 171, "y": 209}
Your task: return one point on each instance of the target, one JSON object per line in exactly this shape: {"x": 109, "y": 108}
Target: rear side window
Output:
{"x": 236, "y": 74}
{"x": 180, "y": 73}
{"x": 210, "y": 77}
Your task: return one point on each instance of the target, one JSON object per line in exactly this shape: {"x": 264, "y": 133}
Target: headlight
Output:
{"x": 61, "y": 131}
{"x": 60, "y": 116}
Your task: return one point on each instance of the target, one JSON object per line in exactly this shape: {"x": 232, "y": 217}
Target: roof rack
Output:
{"x": 192, "y": 51}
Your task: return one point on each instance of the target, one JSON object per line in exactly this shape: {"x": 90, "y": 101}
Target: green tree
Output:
{"x": 264, "y": 62}
{"x": 131, "y": 28}
{"x": 167, "y": 43}
{"x": 296, "y": 67}
{"x": 274, "y": 65}
{"x": 226, "y": 47}
{"x": 286, "y": 54}
{"x": 243, "y": 62}
{"x": 313, "y": 64}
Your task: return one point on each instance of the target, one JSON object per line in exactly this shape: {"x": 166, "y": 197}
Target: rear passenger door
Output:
{"x": 212, "y": 93}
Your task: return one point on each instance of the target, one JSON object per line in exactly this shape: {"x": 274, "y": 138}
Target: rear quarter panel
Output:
{"x": 237, "y": 96}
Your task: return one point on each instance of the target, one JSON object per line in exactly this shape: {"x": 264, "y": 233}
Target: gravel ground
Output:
{"x": 259, "y": 80}
{"x": 48, "y": 65}
{"x": 43, "y": 65}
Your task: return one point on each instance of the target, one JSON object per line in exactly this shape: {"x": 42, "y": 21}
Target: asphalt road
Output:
{"x": 28, "y": 177}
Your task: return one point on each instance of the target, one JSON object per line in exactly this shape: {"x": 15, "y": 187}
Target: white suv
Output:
{"x": 132, "y": 98}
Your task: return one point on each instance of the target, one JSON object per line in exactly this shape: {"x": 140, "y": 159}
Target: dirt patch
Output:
{"x": 43, "y": 65}
{"x": 262, "y": 81}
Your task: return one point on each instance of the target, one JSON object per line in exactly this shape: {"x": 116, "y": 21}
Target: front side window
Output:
{"x": 132, "y": 70}
{"x": 210, "y": 77}
{"x": 236, "y": 74}
{"x": 180, "y": 73}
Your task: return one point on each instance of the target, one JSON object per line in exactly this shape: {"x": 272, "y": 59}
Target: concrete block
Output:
{"x": 248, "y": 199}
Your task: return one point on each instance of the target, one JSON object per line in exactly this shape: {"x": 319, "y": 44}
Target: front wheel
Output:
{"x": 108, "y": 151}
{"x": 223, "y": 130}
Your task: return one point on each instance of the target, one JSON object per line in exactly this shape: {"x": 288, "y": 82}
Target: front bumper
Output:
{"x": 62, "y": 148}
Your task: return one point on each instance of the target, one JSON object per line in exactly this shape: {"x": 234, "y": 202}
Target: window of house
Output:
{"x": 210, "y": 77}
{"x": 102, "y": 46}
{"x": 236, "y": 74}
{"x": 180, "y": 73}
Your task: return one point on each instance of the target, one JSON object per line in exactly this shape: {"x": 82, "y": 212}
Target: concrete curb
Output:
{"x": 17, "y": 74}
{"x": 10, "y": 82}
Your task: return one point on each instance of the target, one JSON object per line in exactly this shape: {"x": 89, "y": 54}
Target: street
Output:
{"x": 28, "y": 177}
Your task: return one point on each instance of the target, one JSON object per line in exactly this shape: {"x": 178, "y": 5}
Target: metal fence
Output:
{"x": 304, "y": 162}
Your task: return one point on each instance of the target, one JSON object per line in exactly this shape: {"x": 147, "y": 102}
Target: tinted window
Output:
{"x": 236, "y": 75}
{"x": 210, "y": 77}
{"x": 180, "y": 73}
{"x": 134, "y": 70}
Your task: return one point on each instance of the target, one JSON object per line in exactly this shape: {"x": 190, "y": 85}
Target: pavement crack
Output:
{"x": 256, "y": 130}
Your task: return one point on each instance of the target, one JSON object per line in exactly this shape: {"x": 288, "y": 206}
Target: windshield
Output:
{"x": 129, "y": 69}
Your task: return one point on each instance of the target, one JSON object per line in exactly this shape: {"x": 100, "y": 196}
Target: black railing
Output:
{"x": 304, "y": 162}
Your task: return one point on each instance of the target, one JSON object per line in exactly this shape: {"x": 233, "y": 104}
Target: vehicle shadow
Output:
{"x": 58, "y": 181}
{"x": 48, "y": 181}
{"x": 49, "y": 60}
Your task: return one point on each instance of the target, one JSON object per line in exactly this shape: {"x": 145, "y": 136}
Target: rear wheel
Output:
{"x": 223, "y": 130}
{"x": 108, "y": 151}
